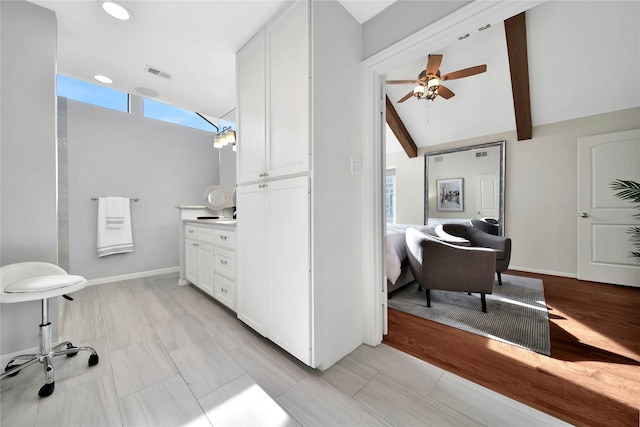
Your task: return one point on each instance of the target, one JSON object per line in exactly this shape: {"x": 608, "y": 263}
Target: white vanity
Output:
{"x": 209, "y": 258}
{"x": 208, "y": 246}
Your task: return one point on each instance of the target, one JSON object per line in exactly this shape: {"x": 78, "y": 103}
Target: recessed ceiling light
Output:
{"x": 103, "y": 79}
{"x": 116, "y": 10}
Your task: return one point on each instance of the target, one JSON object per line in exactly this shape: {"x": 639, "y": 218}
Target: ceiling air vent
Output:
{"x": 152, "y": 70}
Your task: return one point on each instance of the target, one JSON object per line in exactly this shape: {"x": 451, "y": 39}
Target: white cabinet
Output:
{"x": 252, "y": 292}
{"x": 273, "y": 72}
{"x": 274, "y": 264}
{"x": 299, "y": 266}
{"x": 251, "y": 95}
{"x": 210, "y": 260}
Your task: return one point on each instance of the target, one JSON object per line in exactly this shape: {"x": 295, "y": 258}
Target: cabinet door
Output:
{"x": 288, "y": 216}
{"x": 251, "y": 262}
{"x": 206, "y": 267}
{"x": 288, "y": 89}
{"x": 250, "y": 64}
{"x": 191, "y": 260}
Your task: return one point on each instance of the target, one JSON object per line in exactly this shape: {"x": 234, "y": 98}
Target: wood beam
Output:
{"x": 516, "y": 33}
{"x": 400, "y": 131}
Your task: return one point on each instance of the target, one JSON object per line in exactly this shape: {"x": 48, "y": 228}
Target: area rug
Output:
{"x": 516, "y": 311}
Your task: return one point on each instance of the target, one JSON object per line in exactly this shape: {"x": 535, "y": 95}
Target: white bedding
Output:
{"x": 397, "y": 249}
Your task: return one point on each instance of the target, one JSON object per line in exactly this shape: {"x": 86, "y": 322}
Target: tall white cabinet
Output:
{"x": 298, "y": 279}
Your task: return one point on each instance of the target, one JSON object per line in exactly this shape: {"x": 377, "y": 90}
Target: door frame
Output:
{"x": 438, "y": 35}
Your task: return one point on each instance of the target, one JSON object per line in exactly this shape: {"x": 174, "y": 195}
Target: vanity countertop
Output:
{"x": 221, "y": 221}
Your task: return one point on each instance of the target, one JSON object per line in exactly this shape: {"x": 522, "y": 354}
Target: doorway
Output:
{"x": 434, "y": 37}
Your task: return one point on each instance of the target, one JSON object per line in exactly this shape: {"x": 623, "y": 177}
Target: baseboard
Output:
{"x": 130, "y": 276}
{"x": 547, "y": 272}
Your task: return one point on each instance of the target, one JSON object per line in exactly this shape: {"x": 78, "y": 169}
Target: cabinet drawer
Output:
{"x": 225, "y": 292}
{"x": 206, "y": 234}
{"x": 225, "y": 238}
{"x": 226, "y": 263}
{"x": 191, "y": 232}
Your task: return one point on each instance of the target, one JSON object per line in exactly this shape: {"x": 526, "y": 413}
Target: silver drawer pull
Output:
{"x": 223, "y": 262}
{"x": 223, "y": 290}
{"x": 191, "y": 231}
{"x": 223, "y": 237}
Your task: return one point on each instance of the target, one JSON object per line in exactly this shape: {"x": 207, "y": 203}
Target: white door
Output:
{"x": 288, "y": 89}
{"x": 251, "y": 261}
{"x": 191, "y": 261}
{"x": 206, "y": 267}
{"x": 251, "y": 92}
{"x": 604, "y": 248}
{"x": 288, "y": 213}
{"x": 487, "y": 196}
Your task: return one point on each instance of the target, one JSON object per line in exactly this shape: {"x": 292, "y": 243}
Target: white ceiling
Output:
{"x": 194, "y": 41}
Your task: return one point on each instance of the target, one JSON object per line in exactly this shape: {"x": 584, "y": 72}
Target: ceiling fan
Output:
{"x": 428, "y": 84}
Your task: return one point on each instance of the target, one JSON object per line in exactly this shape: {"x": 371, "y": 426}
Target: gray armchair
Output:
{"x": 439, "y": 265}
{"x": 478, "y": 238}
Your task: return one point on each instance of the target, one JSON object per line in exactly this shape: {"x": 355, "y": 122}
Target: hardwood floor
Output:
{"x": 592, "y": 377}
{"x": 172, "y": 356}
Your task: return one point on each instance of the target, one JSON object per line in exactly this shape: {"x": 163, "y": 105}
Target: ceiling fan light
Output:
{"x": 117, "y": 10}
{"x": 433, "y": 84}
{"x": 418, "y": 91}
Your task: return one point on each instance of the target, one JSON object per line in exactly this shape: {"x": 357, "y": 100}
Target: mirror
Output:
{"x": 465, "y": 183}
{"x": 217, "y": 198}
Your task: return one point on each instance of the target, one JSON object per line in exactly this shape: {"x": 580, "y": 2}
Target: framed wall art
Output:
{"x": 450, "y": 195}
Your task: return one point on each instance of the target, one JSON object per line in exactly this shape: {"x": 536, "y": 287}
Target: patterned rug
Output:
{"x": 516, "y": 311}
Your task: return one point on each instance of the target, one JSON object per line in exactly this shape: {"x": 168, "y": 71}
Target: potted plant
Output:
{"x": 630, "y": 190}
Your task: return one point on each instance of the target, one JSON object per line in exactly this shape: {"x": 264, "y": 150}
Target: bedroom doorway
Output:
{"x": 431, "y": 38}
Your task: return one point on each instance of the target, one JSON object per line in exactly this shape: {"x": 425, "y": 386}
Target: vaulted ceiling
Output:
{"x": 568, "y": 43}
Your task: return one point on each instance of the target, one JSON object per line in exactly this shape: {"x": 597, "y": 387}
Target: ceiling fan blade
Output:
{"x": 433, "y": 64}
{"x": 465, "y": 72}
{"x": 402, "y": 82}
{"x": 445, "y": 92}
{"x": 404, "y": 98}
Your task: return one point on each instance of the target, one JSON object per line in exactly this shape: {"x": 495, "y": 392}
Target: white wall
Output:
{"x": 336, "y": 206}
{"x": 28, "y": 150}
{"x": 111, "y": 153}
{"x": 401, "y": 19}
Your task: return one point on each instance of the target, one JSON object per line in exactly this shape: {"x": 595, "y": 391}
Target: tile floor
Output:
{"x": 172, "y": 356}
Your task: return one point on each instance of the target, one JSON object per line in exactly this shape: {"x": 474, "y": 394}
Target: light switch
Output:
{"x": 356, "y": 167}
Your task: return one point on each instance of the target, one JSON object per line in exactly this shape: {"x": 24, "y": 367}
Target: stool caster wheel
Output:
{"x": 93, "y": 360}
{"x": 69, "y": 346}
{"x": 9, "y": 367}
{"x": 47, "y": 389}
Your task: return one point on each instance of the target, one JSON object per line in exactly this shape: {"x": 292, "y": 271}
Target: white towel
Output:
{"x": 115, "y": 211}
{"x": 114, "y": 240}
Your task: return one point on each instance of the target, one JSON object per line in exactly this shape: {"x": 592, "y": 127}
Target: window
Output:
{"x": 390, "y": 196}
{"x": 179, "y": 116}
{"x": 90, "y": 93}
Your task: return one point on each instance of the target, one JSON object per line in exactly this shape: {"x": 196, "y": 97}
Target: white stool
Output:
{"x": 30, "y": 281}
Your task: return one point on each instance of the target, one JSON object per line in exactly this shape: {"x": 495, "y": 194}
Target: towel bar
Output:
{"x": 134, "y": 200}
